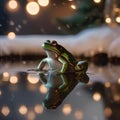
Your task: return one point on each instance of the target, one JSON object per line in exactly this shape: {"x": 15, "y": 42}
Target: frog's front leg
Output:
{"x": 41, "y": 65}
{"x": 64, "y": 64}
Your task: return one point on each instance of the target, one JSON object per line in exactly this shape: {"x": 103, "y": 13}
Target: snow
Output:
{"x": 87, "y": 42}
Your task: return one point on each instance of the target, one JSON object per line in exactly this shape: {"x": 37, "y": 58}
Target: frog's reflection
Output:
{"x": 59, "y": 86}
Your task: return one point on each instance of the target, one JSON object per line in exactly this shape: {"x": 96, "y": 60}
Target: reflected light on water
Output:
{"x": 43, "y": 3}
{"x": 13, "y": 80}
{"x": 5, "y": 110}
{"x": 32, "y": 78}
{"x": 43, "y": 89}
{"x": 78, "y": 115}
{"x": 97, "y": 96}
{"x": 38, "y": 109}
{"x": 11, "y": 35}
{"x": 5, "y": 76}
{"x": 23, "y": 110}
{"x": 67, "y": 109}
{"x": 108, "y": 112}
{"x": 32, "y": 8}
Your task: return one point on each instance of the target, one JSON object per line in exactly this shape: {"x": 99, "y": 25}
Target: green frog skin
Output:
{"x": 59, "y": 59}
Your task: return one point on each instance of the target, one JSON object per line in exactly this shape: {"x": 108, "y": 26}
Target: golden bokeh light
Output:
{"x": 13, "y": 79}
{"x": 73, "y": 7}
{"x": 31, "y": 115}
{"x": 23, "y": 110}
{"x": 108, "y": 20}
{"x": 12, "y": 5}
{"x": 38, "y": 109}
{"x": 118, "y": 19}
{"x": 32, "y": 8}
{"x": 43, "y": 89}
{"x": 43, "y": 3}
{"x": 97, "y": 1}
{"x": 118, "y": 80}
{"x": 0, "y": 92}
{"x": 108, "y": 112}
{"x": 33, "y": 78}
{"x": 11, "y": 35}
{"x": 67, "y": 109}
{"x": 97, "y": 96}
{"x": 5, "y": 110}
{"x": 5, "y": 76}
{"x": 78, "y": 115}
{"x": 107, "y": 84}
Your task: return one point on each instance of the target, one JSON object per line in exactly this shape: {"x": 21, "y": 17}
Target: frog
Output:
{"x": 60, "y": 59}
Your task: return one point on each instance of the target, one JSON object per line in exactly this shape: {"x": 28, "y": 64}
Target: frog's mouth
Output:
{"x": 51, "y": 46}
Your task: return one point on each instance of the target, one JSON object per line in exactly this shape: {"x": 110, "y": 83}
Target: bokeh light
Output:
{"x": 97, "y": 1}
{"x": 0, "y": 92}
{"x": 32, "y": 8}
{"x": 107, "y": 84}
{"x": 108, "y": 111}
{"x": 78, "y": 115}
{"x": 33, "y": 78}
{"x": 12, "y": 5}
{"x": 108, "y": 20}
{"x": 13, "y": 79}
{"x": 118, "y": 80}
{"x": 43, "y": 3}
{"x": 38, "y": 109}
{"x": 118, "y": 19}
{"x": 11, "y": 35}
{"x": 97, "y": 96}
{"x": 5, "y": 110}
{"x": 23, "y": 110}
{"x": 73, "y": 7}
{"x": 67, "y": 109}
{"x": 43, "y": 89}
{"x": 31, "y": 115}
{"x": 5, "y": 76}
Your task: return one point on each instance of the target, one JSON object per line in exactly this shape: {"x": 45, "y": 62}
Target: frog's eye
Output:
{"x": 48, "y": 41}
{"x": 54, "y": 43}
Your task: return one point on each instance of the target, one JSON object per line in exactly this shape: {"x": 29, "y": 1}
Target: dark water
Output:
{"x": 23, "y": 96}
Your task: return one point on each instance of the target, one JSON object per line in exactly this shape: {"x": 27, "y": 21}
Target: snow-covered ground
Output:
{"x": 88, "y": 42}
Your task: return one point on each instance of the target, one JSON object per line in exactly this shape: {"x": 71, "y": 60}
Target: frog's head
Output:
{"x": 52, "y": 46}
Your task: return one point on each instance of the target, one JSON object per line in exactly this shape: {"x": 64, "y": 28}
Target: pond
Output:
{"x": 24, "y": 96}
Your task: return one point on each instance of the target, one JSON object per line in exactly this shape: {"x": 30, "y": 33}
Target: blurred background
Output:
{"x": 89, "y": 29}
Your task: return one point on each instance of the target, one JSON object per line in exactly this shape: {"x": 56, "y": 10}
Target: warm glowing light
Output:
{"x": 97, "y": 96}
{"x": 107, "y": 84}
{"x": 108, "y": 20}
{"x": 116, "y": 97}
{"x": 118, "y": 19}
{"x": 73, "y": 7}
{"x": 11, "y": 35}
{"x": 0, "y": 92}
{"x": 38, "y": 109}
{"x": 108, "y": 112}
{"x": 5, "y": 76}
{"x": 78, "y": 115}
{"x": 43, "y": 3}
{"x": 23, "y": 110}
{"x": 119, "y": 81}
{"x": 67, "y": 109}
{"x": 33, "y": 78}
{"x": 31, "y": 115}
{"x": 13, "y": 79}
{"x": 12, "y": 4}
{"x": 5, "y": 110}
{"x": 43, "y": 89}
{"x": 32, "y": 8}
{"x": 97, "y": 1}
